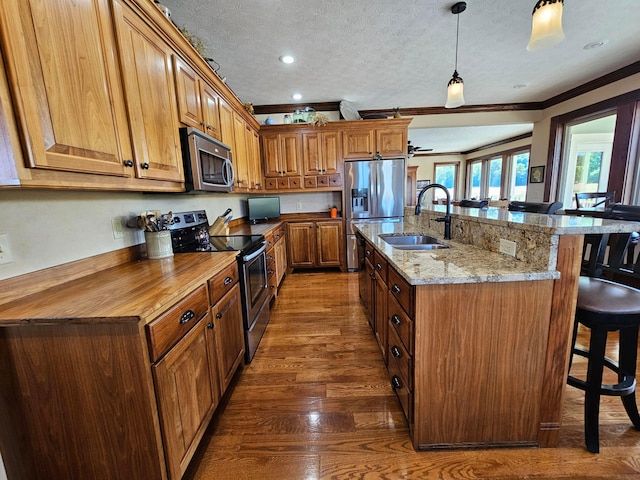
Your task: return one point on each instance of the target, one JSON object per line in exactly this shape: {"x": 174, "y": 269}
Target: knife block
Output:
{"x": 219, "y": 227}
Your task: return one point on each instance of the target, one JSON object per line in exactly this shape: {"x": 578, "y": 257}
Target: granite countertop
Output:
{"x": 548, "y": 224}
{"x": 460, "y": 263}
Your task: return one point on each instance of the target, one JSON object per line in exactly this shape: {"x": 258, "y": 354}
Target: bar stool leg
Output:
{"x": 597, "y": 347}
{"x": 628, "y": 359}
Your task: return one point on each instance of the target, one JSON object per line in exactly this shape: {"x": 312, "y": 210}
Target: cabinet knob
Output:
{"x": 202, "y": 124}
{"x": 228, "y": 280}
{"x": 395, "y": 351}
{"x": 395, "y": 382}
{"x": 128, "y": 163}
{"x": 145, "y": 166}
{"x": 378, "y": 266}
{"x": 210, "y": 326}
{"x": 395, "y": 289}
{"x": 218, "y": 316}
{"x": 395, "y": 319}
{"x": 209, "y": 127}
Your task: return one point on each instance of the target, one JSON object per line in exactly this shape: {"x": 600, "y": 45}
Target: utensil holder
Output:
{"x": 158, "y": 244}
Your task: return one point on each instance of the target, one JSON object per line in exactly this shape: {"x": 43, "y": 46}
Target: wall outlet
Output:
{"x": 5, "y": 251}
{"x": 507, "y": 247}
{"x": 116, "y": 226}
{"x": 298, "y": 205}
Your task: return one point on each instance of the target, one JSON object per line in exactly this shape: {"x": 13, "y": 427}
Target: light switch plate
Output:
{"x": 5, "y": 251}
{"x": 116, "y": 226}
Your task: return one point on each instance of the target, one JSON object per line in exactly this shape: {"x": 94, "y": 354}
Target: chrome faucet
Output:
{"x": 447, "y": 218}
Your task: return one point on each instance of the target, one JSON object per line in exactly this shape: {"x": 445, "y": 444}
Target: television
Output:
{"x": 263, "y": 208}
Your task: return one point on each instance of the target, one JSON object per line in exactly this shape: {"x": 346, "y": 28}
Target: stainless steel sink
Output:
{"x": 412, "y": 241}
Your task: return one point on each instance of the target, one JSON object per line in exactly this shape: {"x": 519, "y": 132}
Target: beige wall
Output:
{"x": 48, "y": 228}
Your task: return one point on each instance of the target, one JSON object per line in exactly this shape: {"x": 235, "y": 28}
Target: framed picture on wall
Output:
{"x": 536, "y": 174}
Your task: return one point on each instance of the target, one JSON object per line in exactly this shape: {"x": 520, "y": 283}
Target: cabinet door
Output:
{"x": 290, "y": 153}
{"x": 330, "y": 239}
{"x": 369, "y": 292}
{"x": 302, "y": 244}
{"x": 210, "y": 110}
{"x": 241, "y": 160}
{"x": 63, "y": 73}
{"x": 253, "y": 161}
{"x": 331, "y": 143}
{"x": 380, "y": 315}
{"x": 188, "y": 94}
{"x": 227, "y": 321}
{"x": 187, "y": 393}
{"x": 391, "y": 142}
{"x": 358, "y": 143}
{"x": 226, "y": 126}
{"x": 311, "y": 162}
{"x": 271, "y": 155}
{"x": 150, "y": 96}
{"x": 280, "y": 250}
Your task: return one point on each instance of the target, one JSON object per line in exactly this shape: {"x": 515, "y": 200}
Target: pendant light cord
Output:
{"x": 457, "y": 32}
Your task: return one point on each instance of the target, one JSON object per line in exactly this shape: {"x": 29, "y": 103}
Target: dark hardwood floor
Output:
{"x": 316, "y": 403}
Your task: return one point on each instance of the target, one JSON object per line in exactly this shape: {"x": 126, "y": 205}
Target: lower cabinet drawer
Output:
{"x": 399, "y": 355}
{"x": 401, "y": 290}
{"x": 222, "y": 283}
{"x": 171, "y": 326}
{"x": 405, "y": 395}
{"x": 400, "y": 322}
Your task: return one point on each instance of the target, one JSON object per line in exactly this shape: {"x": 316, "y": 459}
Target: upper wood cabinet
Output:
{"x": 65, "y": 79}
{"x": 281, "y": 154}
{"x": 388, "y": 141}
{"x": 197, "y": 101}
{"x": 322, "y": 153}
{"x": 151, "y": 99}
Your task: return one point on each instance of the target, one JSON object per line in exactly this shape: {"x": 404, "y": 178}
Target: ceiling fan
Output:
{"x": 412, "y": 149}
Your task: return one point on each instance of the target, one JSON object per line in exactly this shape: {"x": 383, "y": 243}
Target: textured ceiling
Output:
{"x": 382, "y": 54}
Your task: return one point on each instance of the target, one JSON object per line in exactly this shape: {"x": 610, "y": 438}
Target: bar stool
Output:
{"x": 604, "y": 306}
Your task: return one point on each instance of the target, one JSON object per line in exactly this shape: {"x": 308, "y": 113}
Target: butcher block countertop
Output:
{"x": 133, "y": 291}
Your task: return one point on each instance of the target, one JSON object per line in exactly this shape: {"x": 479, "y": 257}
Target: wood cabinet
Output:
{"x": 65, "y": 79}
{"x": 389, "y": 141}
{"x": 488, "y": 392}
{"x": 188, "y": 392}
{"x": 229, "y": 335}
{"x": 120, "y": 378}
{"x": 151, "y": 99}
{"x": 316, "y": 244}
{"x": 276, "y": 257}
{"x": 412, "y": 181}
{"x": 281, "y": 154}
{"x": 244, "y": 149}
{"x": 322, "y": 153}
{"x": 197, "y": 100}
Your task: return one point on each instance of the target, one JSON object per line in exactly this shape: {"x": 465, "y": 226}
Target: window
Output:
{"x": 445, "y": 174}
{"x": 499, "y": 176}
{"x": 595, "y": 148}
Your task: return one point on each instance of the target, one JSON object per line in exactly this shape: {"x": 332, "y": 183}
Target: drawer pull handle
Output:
{"x": 367, "y": 252}
{"x": 395, "y": 382}
{"x": 228, "y": 280}
{"x": 218, "y": 316}
{"x": 395, "y": 351}
{"x": 395, "y": 319}
{"x": 395, "y": 289}
{"x": 186, "y": 316}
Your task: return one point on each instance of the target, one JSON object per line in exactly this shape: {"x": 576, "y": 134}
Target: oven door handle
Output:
{"x": 251, "y": 256}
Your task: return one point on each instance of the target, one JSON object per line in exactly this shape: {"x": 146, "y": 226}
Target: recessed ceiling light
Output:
{"x": 296, "y": 96}
{"x": 598, "y": 44}
{"x": 287, "y": 59}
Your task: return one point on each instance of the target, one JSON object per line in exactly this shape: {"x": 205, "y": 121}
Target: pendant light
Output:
{"x": 455, "y": 87}
{"x": 546, "y": 24}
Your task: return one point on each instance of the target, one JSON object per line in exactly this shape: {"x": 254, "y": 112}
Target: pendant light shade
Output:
{"x": 546, "y": 24}
{"x": 455, "y": 87}
{"x": 455, "y": 92}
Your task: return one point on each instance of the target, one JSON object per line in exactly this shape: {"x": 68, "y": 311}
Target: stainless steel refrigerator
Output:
{"x": 374, "y": 192}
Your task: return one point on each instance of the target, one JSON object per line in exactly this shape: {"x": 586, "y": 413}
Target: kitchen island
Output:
{"x": 476, "y": 341}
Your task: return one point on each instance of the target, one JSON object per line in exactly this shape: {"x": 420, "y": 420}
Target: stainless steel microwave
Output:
{"x": 207, "y": 162}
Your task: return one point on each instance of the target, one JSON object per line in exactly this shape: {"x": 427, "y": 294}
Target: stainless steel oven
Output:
{"x": 255, "y": 298}
{"x": 189, "y": 233}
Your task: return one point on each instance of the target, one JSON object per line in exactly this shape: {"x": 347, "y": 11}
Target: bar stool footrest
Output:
{"x": 621, "y": 389}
